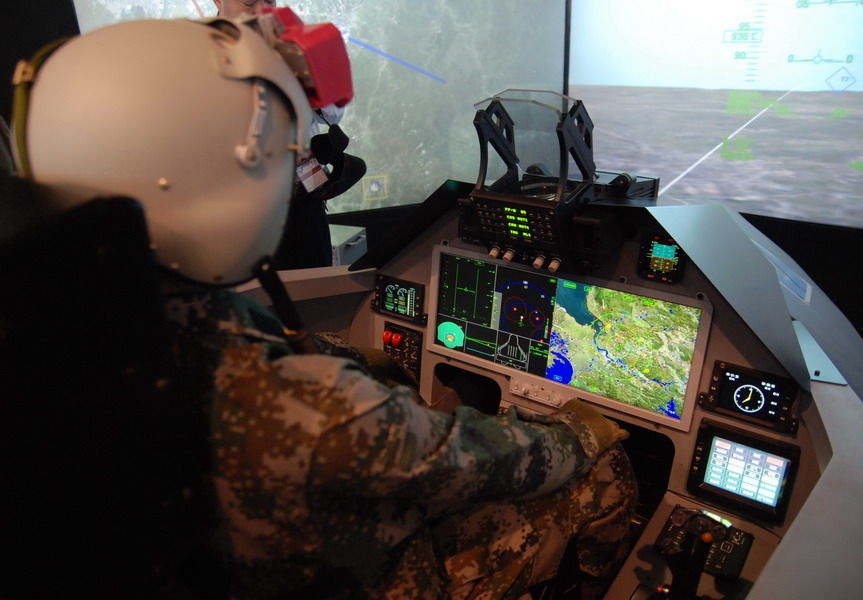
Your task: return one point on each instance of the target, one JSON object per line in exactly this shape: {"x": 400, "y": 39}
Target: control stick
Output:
{"x": 686, "y": 551}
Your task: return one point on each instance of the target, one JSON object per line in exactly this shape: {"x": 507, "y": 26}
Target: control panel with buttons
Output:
{"x": 725, "y": 557}
{"x": 404, "y": 345}
{"x": 527, "y": 230}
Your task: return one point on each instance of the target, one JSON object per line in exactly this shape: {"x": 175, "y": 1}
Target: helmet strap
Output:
{"x": 293, "y": 328}
{"x": 25, "y": 74}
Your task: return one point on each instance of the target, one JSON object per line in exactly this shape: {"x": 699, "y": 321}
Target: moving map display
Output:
{"x": 619, "y": 345}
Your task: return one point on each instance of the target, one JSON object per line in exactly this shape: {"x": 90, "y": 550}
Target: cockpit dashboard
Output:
{"x": 717, "y": 422}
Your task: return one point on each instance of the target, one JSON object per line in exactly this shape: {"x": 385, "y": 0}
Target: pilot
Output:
{"x": 327, "y": 482}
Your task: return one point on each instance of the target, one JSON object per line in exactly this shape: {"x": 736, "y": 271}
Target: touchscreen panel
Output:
{"x": 633, "y": 349}
{"x": 751, "y": 475}
{"x": 746, "y": 472}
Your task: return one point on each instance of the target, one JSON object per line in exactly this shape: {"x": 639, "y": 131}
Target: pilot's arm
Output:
{"x": 320, "y": 464}
{"x": 397, "y": 449}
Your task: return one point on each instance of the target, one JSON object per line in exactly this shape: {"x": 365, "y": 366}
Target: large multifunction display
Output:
{"x": 642, "y": 353}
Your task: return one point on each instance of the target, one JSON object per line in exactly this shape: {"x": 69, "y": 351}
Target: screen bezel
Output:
{"x": 734, "y": 502}
{"x": 567, "y": 391}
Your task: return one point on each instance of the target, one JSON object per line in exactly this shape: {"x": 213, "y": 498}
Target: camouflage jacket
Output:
{"x": 318, "y": 468}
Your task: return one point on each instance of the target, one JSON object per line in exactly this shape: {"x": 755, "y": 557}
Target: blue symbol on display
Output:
{"x": 841, "y": 80}
{"x": 560, "y": 369}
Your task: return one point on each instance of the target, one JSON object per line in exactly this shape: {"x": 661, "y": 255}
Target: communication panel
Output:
{"x": 637, "y": 351}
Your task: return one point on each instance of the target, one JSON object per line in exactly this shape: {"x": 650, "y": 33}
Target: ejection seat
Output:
{"x": 100, "y": 456}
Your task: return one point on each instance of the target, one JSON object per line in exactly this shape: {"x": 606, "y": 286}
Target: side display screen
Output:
{"x": 742, "y": 472}
{"x": 633, "y": 349}
{"x": 745, "y": 471}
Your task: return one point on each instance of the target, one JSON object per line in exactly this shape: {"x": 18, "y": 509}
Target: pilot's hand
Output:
{"x": 607, "y": 432}
{"x": 386, "y": 369}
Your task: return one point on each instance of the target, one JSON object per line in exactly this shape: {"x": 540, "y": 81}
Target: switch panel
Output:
{"x": 404, "y": 345}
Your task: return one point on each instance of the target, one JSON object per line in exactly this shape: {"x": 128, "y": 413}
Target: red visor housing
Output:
{"x": 321, "y": 63}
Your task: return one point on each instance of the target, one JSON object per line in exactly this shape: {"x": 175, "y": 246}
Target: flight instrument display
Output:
{"x": 399, "y": 298}
{"x": 623, "y": 346}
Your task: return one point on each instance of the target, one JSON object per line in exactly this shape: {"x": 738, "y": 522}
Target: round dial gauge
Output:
{"x": 749, "y": 398}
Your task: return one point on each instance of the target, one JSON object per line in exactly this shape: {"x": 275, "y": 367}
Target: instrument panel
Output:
{"x": 542, "y": 337}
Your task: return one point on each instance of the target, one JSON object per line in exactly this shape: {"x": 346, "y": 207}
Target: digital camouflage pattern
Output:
{"x": 330, "y": 484}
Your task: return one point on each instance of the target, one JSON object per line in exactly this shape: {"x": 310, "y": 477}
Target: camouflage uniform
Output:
{"x": 331, "y": 484}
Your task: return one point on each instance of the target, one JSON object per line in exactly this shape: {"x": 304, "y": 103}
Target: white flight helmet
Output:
{"x": 201, "y": 121}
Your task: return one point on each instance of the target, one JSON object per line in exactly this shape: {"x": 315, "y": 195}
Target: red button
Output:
{"x": 387, "y": 336}
{"x": 397, "y": 339}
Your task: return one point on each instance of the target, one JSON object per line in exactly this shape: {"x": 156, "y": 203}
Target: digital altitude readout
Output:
{"x": 629, "y": 348}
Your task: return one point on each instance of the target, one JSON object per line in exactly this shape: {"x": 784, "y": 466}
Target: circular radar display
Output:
{"x": 526, "y": 304}
{"x": 749, "y": 398}
{"x": 450, "y": 335}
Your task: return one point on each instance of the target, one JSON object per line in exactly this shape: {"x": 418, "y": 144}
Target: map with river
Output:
{"x": 623, "y": 346}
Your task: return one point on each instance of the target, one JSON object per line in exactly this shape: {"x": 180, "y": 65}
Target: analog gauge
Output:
{"x": 749, "y": 398}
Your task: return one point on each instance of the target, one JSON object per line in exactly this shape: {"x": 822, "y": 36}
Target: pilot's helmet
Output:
{"x": 202, "y": 122}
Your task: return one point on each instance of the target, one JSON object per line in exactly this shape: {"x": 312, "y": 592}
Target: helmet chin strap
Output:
{"x": 294, "y": 330}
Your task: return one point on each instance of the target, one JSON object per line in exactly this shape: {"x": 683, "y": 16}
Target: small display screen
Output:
{"x": 661, "y": 259}
{"x": 754, "y": 394}
{"x": 517, "y": 222}
{"x": 748, "y": 474}
{"x": 399, "y": 298}
{"x": 745, "y": 471}
{"x": 633, "y": 349}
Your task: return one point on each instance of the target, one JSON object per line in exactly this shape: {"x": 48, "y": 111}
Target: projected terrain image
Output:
{"x": 754, "y": 104}
{"x": 626, "y": 347}
{"x": 799, "y": 157}
{"x": 418, "y": 69}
